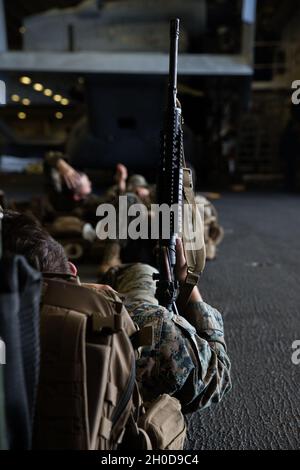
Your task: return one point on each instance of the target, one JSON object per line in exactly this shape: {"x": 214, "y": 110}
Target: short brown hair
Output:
{"x": 22, "y": 235}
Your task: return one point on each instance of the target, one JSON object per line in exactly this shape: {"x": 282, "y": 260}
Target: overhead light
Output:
{"x": 48, "y": 92}
{"x": 38, "y": 87}
{"x": 15, "y": 98}
{"x": 22, "y": 115}
{"x": 57, "y": 98}
{"x": 65, "y": 102}
{"x": 22, "y": 30}
{"x": 26, "y": 101}
{"x": 59, "y": 115}
{"x": 25, "y": 80}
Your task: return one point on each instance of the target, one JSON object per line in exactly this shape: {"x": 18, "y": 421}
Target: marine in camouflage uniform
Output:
{"x": 188, "y": 358}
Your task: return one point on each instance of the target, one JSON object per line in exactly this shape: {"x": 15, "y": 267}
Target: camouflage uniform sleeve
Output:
{"x": 188, "y": 361}
{"x": 207, "y": 321}
{"x": 188, "y": 358}
{"x": 214, "y": 372}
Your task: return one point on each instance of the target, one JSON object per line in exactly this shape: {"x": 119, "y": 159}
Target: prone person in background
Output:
{"x": 75, "y": 187}
{"x": 70, "y": 191}
{"x": 71, "y": 202}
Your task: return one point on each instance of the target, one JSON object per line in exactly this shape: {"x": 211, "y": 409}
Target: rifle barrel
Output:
{"x": 174, "y": 37}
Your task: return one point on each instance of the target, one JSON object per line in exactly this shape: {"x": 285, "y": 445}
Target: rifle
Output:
{"x": 170, "y": 182}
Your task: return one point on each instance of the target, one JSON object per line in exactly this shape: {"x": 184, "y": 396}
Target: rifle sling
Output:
{"x": 195, "y": 257}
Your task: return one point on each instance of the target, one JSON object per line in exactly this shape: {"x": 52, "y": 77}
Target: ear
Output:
{"x": 73, "y": 269}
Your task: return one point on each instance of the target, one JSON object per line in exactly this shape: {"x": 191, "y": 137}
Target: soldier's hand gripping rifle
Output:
{"x": 170, "y": 182}
{"x": 175, "y": 187}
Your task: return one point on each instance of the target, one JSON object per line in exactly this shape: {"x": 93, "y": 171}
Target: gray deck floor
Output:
{"x": 255, "y": 283}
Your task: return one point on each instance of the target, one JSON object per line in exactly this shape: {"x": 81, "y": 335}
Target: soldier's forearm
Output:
{"x": 206, "y": 319}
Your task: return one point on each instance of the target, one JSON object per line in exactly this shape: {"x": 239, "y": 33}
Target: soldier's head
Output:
{"x": 22, "y": 235}
{"x": 138, "y": 184}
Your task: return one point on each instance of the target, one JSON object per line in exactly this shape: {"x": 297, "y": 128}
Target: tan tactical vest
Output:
{"x": 88, "y": 397}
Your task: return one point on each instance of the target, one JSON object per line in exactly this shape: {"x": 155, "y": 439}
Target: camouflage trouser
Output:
{"x": 187, "y": 362}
